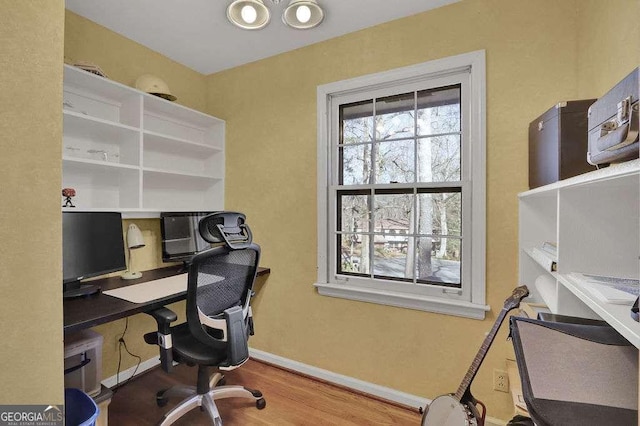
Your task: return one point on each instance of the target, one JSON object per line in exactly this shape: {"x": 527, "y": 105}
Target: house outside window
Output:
{"x": 401, "y": 187}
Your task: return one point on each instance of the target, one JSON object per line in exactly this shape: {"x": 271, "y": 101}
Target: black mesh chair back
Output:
{"x": 218, "y": 294}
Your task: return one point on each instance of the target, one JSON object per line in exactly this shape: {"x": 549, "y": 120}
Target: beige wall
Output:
{"x": 609, "y": 44}
{"x": 270, "y": 108}
{"x": 31, "y": 38}
{"x": 536, "y": 56}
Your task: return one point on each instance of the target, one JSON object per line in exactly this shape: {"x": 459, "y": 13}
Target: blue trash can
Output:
{"x": 79, "y": 408}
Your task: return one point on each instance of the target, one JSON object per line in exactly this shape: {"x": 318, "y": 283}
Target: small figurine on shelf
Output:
{"x": 68, "y": 193}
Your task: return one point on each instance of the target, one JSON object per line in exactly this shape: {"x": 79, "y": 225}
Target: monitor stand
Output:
{"x": 73, "y": 290}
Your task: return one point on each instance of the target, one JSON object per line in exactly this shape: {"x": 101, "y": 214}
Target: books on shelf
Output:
{"x": 621, "y": 291}
{"x": 545, "y": 259}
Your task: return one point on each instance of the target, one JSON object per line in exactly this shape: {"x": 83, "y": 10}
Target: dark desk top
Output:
{"x": 89, "y": 311}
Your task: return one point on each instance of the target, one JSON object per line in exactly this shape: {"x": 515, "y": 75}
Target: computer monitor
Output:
{"x": 181, "y": 238}
{"x": 92, "y": 245}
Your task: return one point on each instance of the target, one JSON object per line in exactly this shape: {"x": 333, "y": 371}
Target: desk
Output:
{"x": 86, "y": 312}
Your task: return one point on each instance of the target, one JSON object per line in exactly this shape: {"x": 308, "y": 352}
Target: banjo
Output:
{"x": 459, "y": 409}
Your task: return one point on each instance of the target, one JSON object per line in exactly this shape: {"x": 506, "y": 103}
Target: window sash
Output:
{"x": 461, "y": 79}
{"x": 474, "y": 107}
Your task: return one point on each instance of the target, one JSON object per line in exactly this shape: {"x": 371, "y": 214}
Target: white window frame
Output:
{"x": 467, "y": 69}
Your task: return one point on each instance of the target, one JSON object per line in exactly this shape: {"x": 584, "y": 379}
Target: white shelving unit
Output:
{"x": 594, "y": 219}
{"x": 128, "y": 151}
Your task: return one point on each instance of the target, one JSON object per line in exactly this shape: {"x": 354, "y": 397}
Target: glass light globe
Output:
{"x": 303, "y": 14}
{"x": 249, "y": 14}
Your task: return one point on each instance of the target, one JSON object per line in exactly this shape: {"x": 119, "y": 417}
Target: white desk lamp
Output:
{"x": 134, "y": 241}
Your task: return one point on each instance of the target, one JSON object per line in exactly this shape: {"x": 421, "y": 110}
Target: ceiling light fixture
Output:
{"x": 248, "y": 14}
{"x": 254, "y": 15}
{"x": 303, "y": 14}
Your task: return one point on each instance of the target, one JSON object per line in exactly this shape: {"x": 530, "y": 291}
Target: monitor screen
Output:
{"x": 92, "y": 244}
{"x": 180, "y": 236}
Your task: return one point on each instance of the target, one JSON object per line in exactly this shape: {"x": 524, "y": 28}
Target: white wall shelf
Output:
{"x": 616, "y": 315}
{"x": 177, "y": 145}
{"x": 128, "y": 151}
{"x": 77, "y": 162}
{"x": 594, "y": 219}
{"x": 172, "y": 173}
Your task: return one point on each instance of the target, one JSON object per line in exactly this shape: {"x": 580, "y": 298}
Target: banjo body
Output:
{"x": 446, "y": 410}
{"x": 459, "y": 409}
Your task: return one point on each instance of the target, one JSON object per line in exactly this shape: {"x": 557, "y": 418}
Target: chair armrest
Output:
{"x": 164, "y": 317}
{"x": 237, "y": 345}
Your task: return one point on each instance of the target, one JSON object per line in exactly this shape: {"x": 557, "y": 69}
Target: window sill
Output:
{"x": 402, "y": 300}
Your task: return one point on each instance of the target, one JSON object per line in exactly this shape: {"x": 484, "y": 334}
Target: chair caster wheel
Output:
{"x": 161, "y": 400}
{"x": 261, "y": 403}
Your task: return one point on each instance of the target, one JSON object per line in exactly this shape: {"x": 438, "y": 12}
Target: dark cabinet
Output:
{"x": 558, "y": 143}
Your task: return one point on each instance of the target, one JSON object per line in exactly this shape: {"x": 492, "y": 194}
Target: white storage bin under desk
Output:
{"x": 78, "y": 348}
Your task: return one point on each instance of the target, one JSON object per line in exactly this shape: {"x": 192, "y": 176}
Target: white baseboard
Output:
{"x": 128, "y": 373}
{"x": 339, "y": 379}
{"x": 309, "y": 370}
{"x": 349, "y": 382}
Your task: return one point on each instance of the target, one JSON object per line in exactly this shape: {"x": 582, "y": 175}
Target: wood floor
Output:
{"x": 291, "y": 400}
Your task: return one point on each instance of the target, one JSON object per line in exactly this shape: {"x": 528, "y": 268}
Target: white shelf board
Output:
{"x": 177, "y": 145}
{"x": 127, "y": 213}
{"x": 628, "y": 168}
{"x": 75, "y": 122}
{"x": 618, "y": 316}
{"x": 543, "y": 266}
{"x": 165, "y": 172}
{"x": 157, "y": 106}
{"x": 68, "y": 112}
{"x": 97, "y": 85}
{"x": 104, "y": 164}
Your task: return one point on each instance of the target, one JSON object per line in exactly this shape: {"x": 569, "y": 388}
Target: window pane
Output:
{"x": 439, "y": 159}
{"x": 439, "y": 260}
{"x": 357, "y": 122}
{"x": 392, "y": 213}
{"x": 438, "y": 111}
{"x": 354, "y": 253}
{"x": 440, "y": 213}
{"x": 354, "y": 212}
{"x": 395, "y": 162}
{"x": 390, "y": 256}
{"x": 395, "y": 117}
{"x": 355, "y": 164}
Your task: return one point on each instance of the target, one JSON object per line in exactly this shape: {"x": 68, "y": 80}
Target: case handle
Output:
{"x": 620, "y": 131}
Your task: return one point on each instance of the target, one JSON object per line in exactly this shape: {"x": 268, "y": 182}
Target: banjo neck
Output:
{"x": 477, "y": 361}
{"x": 444, "y": 409}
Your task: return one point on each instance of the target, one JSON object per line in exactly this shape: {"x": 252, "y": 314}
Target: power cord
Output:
{"x": 123, "y": 344}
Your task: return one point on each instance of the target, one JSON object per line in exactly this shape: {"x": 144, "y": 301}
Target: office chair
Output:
{"x": 219, "y": 319}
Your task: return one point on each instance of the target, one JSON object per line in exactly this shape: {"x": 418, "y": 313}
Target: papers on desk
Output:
{"x": 151, "y": 290}
{"x": 619, "y": 291}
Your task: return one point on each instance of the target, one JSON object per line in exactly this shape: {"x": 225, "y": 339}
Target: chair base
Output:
{"x": 193, "y": 399}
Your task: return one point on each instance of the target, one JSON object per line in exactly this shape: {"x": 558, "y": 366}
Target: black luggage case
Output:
{"x": 576, "y": 374}
{"x": 614, "y": 122}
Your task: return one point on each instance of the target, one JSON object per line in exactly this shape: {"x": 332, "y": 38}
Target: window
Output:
{"x": 401, "y": 187}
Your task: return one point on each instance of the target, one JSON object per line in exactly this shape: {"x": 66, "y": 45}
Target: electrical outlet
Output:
{"x": 500, "y": 381}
